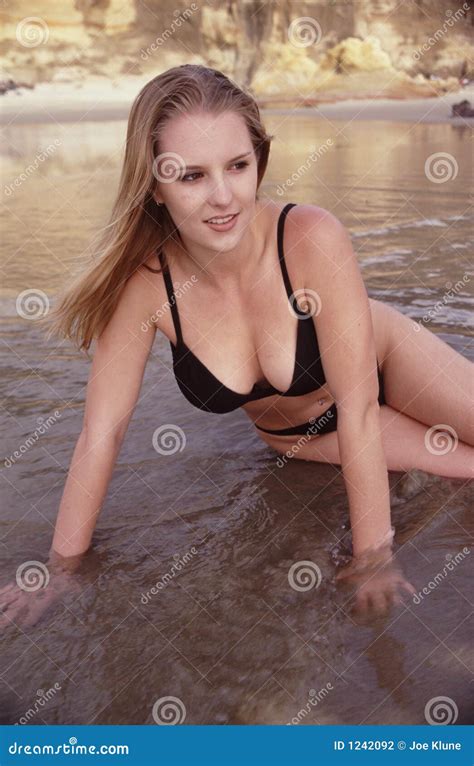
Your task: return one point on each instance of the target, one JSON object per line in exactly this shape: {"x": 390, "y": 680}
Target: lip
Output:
{"x": 223, "y": 226}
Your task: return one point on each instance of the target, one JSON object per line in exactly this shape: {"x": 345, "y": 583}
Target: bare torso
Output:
{"x": 232, "y": 330}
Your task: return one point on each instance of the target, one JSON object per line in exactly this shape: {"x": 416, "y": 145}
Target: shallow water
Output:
{"x": 226, "y": 634}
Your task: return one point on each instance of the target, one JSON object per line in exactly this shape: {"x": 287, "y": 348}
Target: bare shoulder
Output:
{"x": 315, "y": 243}
{"x": 313, "y": 226}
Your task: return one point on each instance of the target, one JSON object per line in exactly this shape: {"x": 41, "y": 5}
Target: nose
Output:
{"x": 221, "y": 192}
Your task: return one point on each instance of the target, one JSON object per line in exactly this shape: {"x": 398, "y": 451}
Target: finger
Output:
{"x": 7, "y": 588}
{"x": 10, "y": 617}
{"x": 34, "y": 614}
{"x": 40, "y": 607}
{"x": 5, "y": 620}
{"x": 409, "y": 588}
{"x": 13, "y": 604}
{"x": 8, "y": 596}
{"x": 397, "y": 599}
{"x": 407, "y": 595}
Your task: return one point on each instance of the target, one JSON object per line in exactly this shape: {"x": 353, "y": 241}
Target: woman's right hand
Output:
{"x": 23, "y": 605}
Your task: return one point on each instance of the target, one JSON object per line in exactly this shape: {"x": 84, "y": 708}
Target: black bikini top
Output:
{"x": 205, "y": 391}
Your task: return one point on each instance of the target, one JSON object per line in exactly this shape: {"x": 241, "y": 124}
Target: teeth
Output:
{"x": 220, "y": 220}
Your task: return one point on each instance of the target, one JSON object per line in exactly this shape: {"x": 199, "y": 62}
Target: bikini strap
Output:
{"x": 281, "y": 225}
{"x": 171, "y": 300}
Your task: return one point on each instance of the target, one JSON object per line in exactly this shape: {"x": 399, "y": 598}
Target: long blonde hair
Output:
{"x": 137, "y": 225}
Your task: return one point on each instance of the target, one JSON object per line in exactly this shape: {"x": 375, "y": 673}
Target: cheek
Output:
{"x": 188, "y": 196}
{"x": 251, "y": 179}
{"x": 254, "y": 172}
{"x": 182, "y": 204}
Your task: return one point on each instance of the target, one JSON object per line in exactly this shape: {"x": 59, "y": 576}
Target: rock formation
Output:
{"x": 277, "y": 48}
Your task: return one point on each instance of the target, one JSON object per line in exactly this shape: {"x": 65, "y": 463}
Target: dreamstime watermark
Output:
{"x": 32, "y": 576}
{"x": 451, "y": 564}
{"x": 314, "y": 699}
{"x": 42, "y": 428}
{"x": 178, "y": 289}
{"x": 304, "y": 576}
{"x": 32, "y": 304}
{"x": 448, "y": 296}
{"x": 441, "y": 439}
{"x": 167, "y": 167}
{"x": 441, "y": 167}
{"x": 43, "y": 697}
{"x": 32, "y": 31}
{"x": 441, "y": 711}
{"x": 178, "y": 565}
{"x": 304, "y": 31}
{"x": 169, "y": 711}
{"x": 169, "y": 439}
{"x": 317, "y": 424}
{"x": 451, "y": 20}
{"x": 71, "y": 747}
{"x": 181, "y": 16}
{"x": 314, "y": 156}
{"x": 32, "y": 167}
{"x": 311, "y": 301}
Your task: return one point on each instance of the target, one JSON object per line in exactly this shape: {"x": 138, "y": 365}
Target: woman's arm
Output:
{"x": 114, "y": 384}
{"x": 346, "y": 341}
{"x": 86, "y": 485}
{"x": 113, "y": 388}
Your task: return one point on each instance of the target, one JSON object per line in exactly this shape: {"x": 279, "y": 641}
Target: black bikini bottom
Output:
{"x": 324, "y": 423}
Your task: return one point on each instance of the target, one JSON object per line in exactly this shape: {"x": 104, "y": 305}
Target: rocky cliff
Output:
{"x": 278, "y": 48}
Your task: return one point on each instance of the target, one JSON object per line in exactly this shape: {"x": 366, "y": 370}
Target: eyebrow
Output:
{"x": 198, "y": 167}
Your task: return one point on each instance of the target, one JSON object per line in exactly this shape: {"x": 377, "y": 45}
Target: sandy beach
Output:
{"x": 429, "y": 110}
{"x": 99, "y": 100}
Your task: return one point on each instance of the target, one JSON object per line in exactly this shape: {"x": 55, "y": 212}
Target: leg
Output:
{"x": 426, "y": 383}
{"x": 424, "y": 377}
{"x": 405, "y": 447}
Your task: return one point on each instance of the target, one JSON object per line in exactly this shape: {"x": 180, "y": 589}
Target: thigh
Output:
{"x": 407, "y": 444}
{"x": 424, "y": 377}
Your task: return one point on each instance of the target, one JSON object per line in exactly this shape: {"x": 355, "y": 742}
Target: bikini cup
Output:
{"x": 206, "y": 392}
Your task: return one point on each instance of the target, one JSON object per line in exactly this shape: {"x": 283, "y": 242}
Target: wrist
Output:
{"x": 381, "y": 544}
{"x": 59, "y": 564}
{"x": 374, "y": 556}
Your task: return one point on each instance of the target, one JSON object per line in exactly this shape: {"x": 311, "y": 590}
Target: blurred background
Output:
{"x": 282, "y": 49}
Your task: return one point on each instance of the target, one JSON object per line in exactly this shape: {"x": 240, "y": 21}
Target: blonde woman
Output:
{"x": 276, "y": 320}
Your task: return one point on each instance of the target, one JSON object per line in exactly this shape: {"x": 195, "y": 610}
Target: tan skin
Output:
{"x": 227, "y": 323}
{"x": 265, "y": 351}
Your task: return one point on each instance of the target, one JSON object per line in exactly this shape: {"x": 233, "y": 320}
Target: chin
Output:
{"x": 225, "y": 248}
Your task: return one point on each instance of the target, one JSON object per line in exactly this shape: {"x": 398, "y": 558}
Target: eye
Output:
{"x": 191, "y": 176}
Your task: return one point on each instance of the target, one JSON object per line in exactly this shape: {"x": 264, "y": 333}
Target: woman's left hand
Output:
{"x": 378, "y": 585}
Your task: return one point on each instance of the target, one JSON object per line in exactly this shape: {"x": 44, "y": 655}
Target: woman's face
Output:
{"x": 207, "y": 168}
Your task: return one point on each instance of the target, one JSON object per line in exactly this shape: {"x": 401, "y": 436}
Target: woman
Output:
{"x": 275, "y": 319}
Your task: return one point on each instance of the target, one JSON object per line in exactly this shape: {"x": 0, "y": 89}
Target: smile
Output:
{"x": 226, "y": 219}
{"x": 224, "y": 223}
